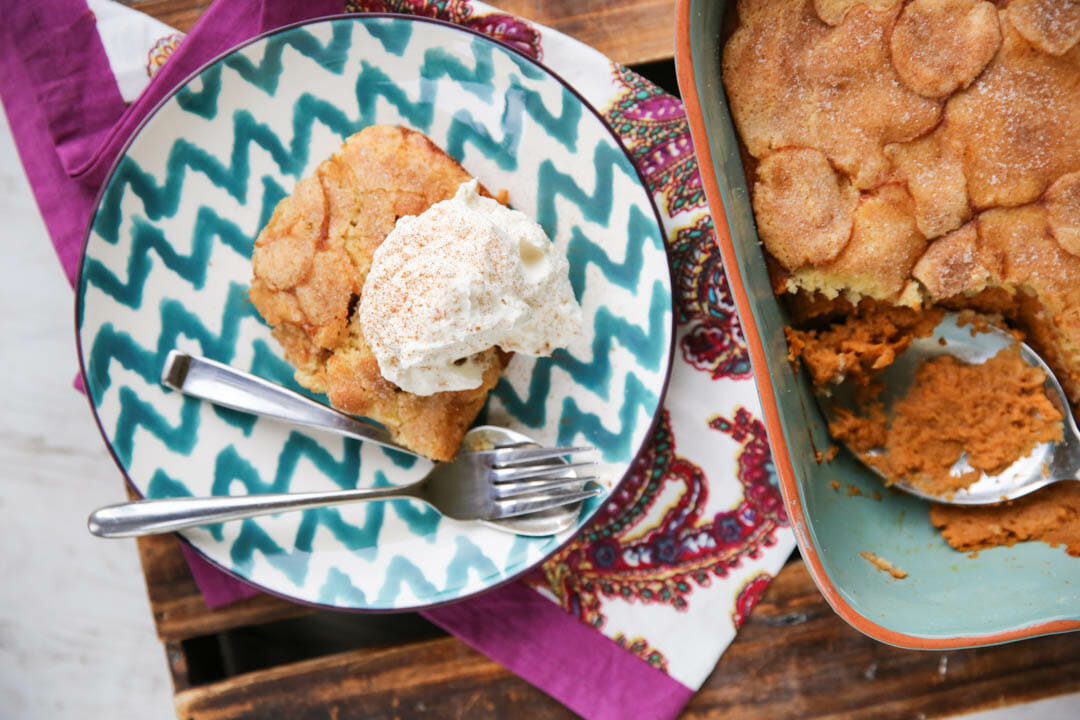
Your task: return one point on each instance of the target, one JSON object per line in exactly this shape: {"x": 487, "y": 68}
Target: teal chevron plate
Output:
{"x": 167, "y": 264}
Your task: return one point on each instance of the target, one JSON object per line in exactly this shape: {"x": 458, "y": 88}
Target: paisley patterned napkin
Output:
{"x": 632, "y": 616}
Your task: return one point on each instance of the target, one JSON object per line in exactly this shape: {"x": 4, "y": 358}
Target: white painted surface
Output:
{"x": 1065, "y": 707}
{"x": 76, "y": 636}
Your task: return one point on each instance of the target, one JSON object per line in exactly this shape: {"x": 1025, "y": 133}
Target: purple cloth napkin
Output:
{"x": 65, "y": 109}
{"x": 70, "y": 123}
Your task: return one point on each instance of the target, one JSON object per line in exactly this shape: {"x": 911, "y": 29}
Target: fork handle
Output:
{"x": 228, "y": 387}
{"x": 163, "y": 515}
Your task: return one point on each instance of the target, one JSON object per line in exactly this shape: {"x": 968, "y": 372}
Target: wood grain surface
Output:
{"x": 627, "y": 31}
{"x": 441, "y": 678}
{"x": 793, "y": 658}
{"x": 178, "y": 607}
{"x": 180, "y": 14}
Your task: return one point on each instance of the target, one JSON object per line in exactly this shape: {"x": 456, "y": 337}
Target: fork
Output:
{"x": 489, "y": 484}
{"x": 479, "y": 485}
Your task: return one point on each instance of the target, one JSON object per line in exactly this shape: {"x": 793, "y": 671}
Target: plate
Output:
{"x": 950, "y": 599}
{"x": 167, "y": 264}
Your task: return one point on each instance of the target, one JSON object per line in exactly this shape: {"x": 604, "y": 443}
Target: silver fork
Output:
{"x": 479, "y": 485}
{"x": 501, "y": 485}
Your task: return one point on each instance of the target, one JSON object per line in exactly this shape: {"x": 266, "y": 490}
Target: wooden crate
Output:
{"x": 794, "y": 658}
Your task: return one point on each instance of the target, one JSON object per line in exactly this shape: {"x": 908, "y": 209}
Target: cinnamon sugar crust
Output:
{"x": 794, "y": 81}
{"x": 940, "y": 46}
{"x": 849, "y": 81}
{"x": 807, "y": 210}
{"x": 1062, "y": 203}
{"x": 1053, "y": 26}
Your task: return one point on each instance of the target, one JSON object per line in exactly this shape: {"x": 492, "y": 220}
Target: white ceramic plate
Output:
{"x": 167, "y": 264}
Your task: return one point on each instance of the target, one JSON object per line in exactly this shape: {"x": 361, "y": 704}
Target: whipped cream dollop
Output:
{"x": 463, "y": 276}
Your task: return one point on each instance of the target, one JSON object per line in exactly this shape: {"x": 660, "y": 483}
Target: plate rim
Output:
{"x": 356, "y": 17}
{"x": 686, "y": 73}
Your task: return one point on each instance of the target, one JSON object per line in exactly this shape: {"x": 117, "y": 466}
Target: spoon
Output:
{"x": 229, "y": 387}
{"x": 1047, "y": 463}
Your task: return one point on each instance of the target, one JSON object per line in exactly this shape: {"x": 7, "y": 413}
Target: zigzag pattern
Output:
{"x": 583, "y": 252}
{"x": 394, "y": 36}
{"x": 519, "y": 102}
{"x": 525, "y": 67}
{"x": 163, "y": 200}
{"x": 135, "y": 413}
{"x": 612, "y": 444}
{"x": 403, "y": 572}
{"x": 267, "y": 73}
{"x": 519, "y": 552}
{"x": 468, "y": 558}
{"x": 253, "y": 538}
{"x": 647, "y": 346}
{"x": 339, "y": 587}
{"x": 110, "y": 344}
{"x": 233, "y": 463}
{"x": 562, "y": 128}
{"x": 596, "y": 207}
{"x": 147, "y": 239}
{"x": 163, "y": 486}
{"x": 202, "y": 102}
{"x": 361, "y": 540}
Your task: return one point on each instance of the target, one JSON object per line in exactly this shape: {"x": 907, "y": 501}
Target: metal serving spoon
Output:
{"x": 226, "y": 386}
{"x": 1047, "y": 463}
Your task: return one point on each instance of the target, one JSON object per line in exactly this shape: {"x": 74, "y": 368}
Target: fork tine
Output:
{"x": 506, "y": 457}
{"x": 541, "y": 486}
{"x": 546, "y": 501}
{"x": 527, "y": 472}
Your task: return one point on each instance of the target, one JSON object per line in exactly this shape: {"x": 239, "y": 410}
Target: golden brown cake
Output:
{"x": 310, "y": 262}
{"x": 920, "y": 154}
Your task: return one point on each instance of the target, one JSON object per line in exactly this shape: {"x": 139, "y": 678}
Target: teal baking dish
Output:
{"x": 949, "y": 599}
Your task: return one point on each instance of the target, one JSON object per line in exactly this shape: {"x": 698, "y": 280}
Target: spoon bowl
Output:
{"x": 1047, "y": 463}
